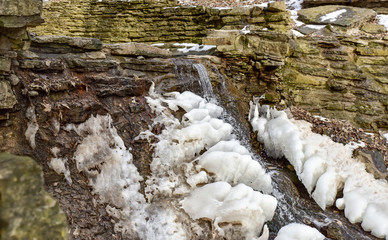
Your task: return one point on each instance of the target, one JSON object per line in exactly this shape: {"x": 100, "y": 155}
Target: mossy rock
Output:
{"x": 373, "y": 28}
{"x": 27, "y": 211}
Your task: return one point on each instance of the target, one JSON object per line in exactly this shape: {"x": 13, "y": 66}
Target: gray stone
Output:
{"x": 374, "y": 162}
{"x": 14, "y": 80}
{"x": 350, "y": 17}
{"x": 306, "y": 30}
{"x": 136, "y": 49}
{"x": 7, "y": 98}
{"x": 64, "y": 44}
{"x": 5, "y": 64}
{"x": 27, "y": 210}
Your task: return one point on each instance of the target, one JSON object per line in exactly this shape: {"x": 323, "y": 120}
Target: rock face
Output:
{"x": 17, "y": 14}
{"x": 27, "y": 211}
{"x": 330, "y": 75}
{"x": 153, "y": 21}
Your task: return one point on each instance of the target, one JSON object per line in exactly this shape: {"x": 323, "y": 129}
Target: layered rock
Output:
{"x": 151, "y": 21}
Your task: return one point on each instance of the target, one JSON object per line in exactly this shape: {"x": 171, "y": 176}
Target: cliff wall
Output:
{"x": 149, "y": 21}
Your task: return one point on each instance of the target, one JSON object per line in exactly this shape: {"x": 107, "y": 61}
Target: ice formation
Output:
{"x": 187, "y": 154}
{"x": 176, "y": 172}
{"x": 32, "y": 126}
{"x": 325, "y": 167}
{"x": 223, "y": 203}
{"x": 59, "y": 165}
{"x": 296, "y": 231}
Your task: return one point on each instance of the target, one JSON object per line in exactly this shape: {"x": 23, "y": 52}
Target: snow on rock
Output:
{"x": 296, "y": 231}
{"x": 193, "y": 47}
{"x": 221, "y": 202}
{"x": 325, "y": 167}
{"x": 332, "y": 16}
{"x": 386, "y": 136}
{"x": 383, "y": 20}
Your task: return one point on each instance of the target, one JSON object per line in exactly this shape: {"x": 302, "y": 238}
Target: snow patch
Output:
{"x": 386, "y": 136}
{"x": 332, "y": 16}
{"x": 383, "y": 20}
{"x": 297, "y": 33}
{"x": 296, "y": 231}
{"x": 245, "y": 30}
{"x": 192, "y": 47}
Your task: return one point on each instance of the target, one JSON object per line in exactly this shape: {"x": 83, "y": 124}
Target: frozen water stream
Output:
{"x": 203, "y": 168}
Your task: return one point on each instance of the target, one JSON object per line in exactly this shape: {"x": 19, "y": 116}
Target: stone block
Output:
{"x": 7, "y": 97}
{"x": 342, "y": 15}
{"x": 278, "y": 6}
{"x": 5, "y": 64}
{"x": 136, "y": 49}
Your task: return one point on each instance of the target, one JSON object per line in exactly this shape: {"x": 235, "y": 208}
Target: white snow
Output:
{"x": 297, "y": 33}
{"x": 386, "y": 136}
{"x": 192, "y": 47}
{"x": 221, "y": 202}
{"x": 158, "y": 44}
{"x": 383, "y": 20}
{"x": 325, "y": 167}
{"x": 245, "y": 30}
{"x": 332, "y": 16}
{"x": 297, "y": 231}
{"x": 313, "y": 26}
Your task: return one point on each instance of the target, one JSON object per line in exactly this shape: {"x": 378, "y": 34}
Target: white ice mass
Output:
{"x": 200, "y": 149}
{"x": 184, "y": 159}
{"x": 325, "y": 167}
{"x": 296, "y": 231}
{"x": 223, "y": 203}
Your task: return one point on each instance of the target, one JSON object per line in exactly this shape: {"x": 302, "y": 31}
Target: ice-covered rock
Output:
{"x": 325, "y": 167}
